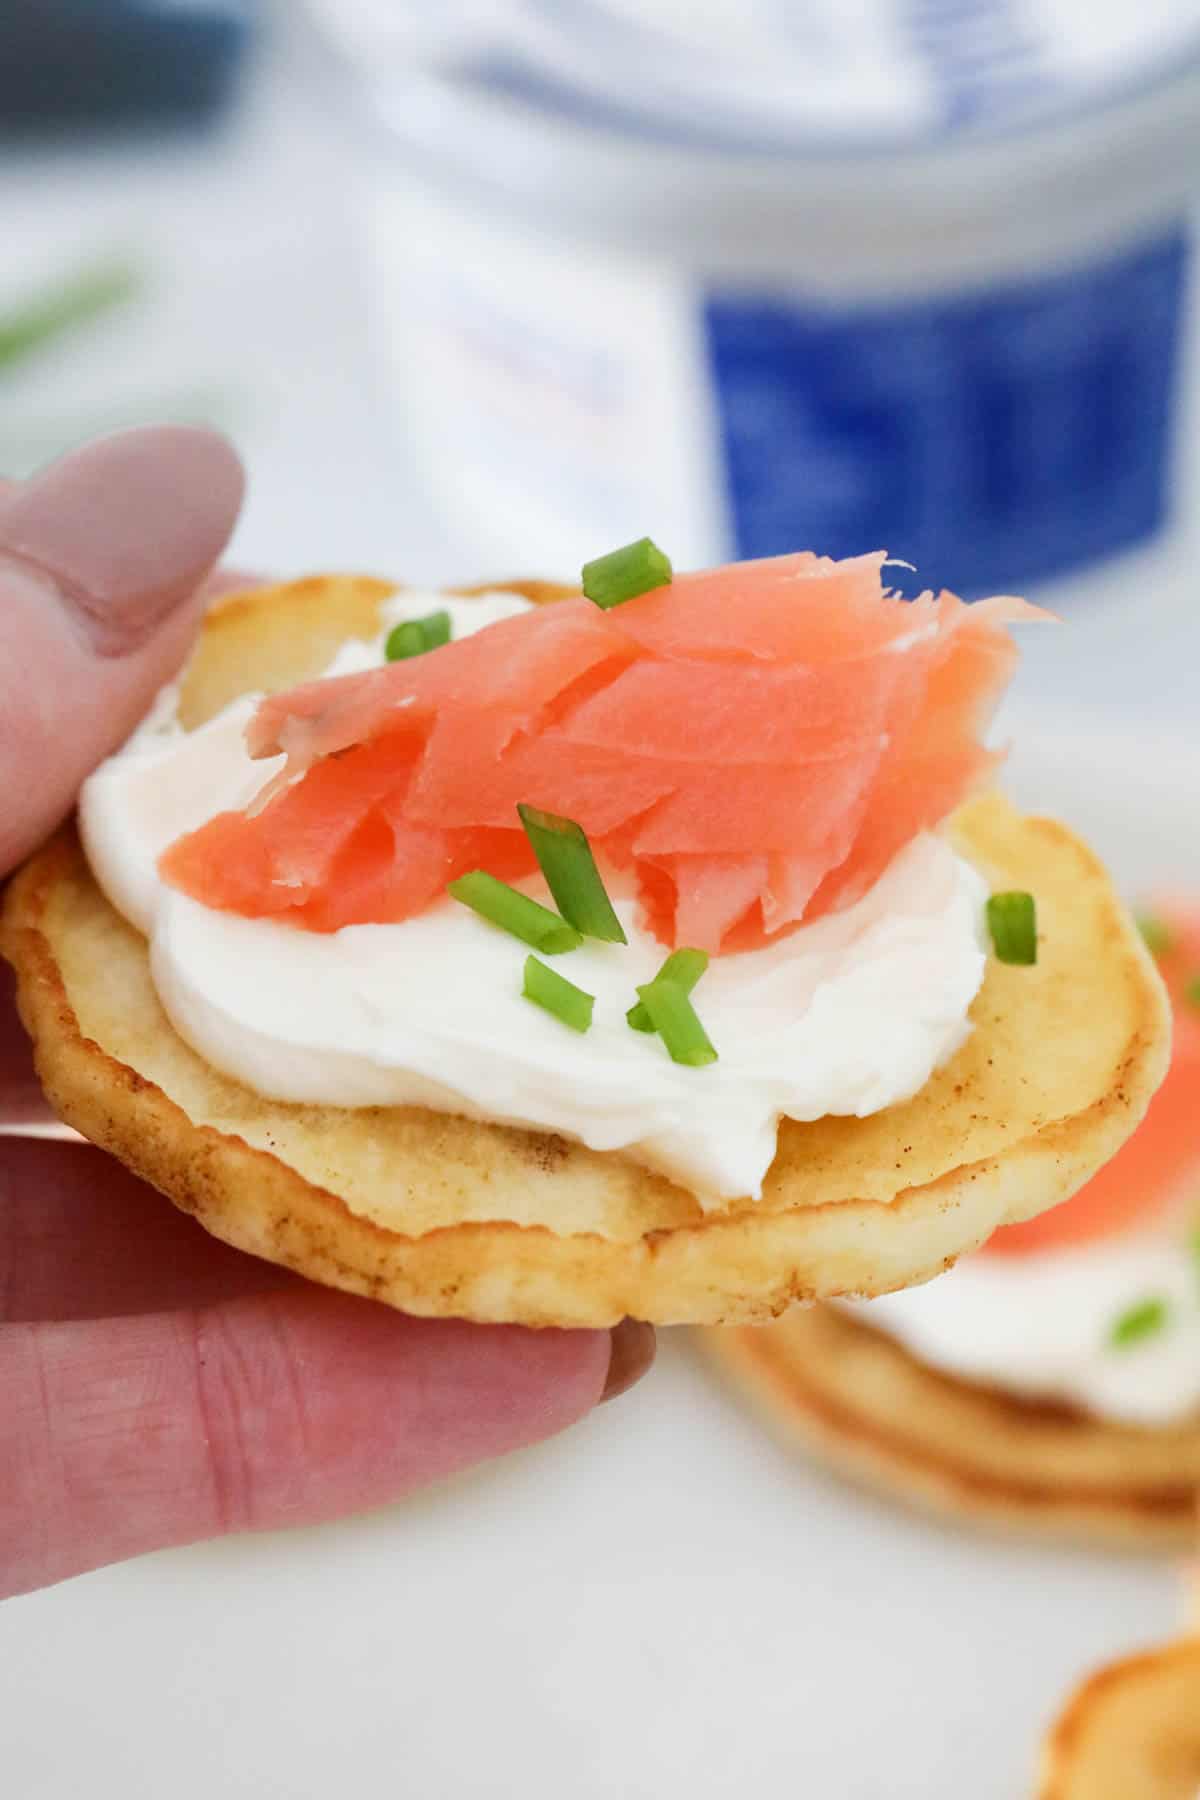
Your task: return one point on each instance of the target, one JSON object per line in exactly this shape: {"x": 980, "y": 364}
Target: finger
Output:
{"x": 23, "y": 1106}
{"x": 126, "y": 1435}
{"x": 21, "y": 1095}
{"x": 17, "y": 1079}
{"x": 101, "y": 557}
{"x": 82, "y": 1238}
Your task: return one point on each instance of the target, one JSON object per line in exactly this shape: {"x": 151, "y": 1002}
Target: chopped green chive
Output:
{"x": 1012, "y": 921}
{"x": 515, "y": 912}
{"x": 554, "y": 994}
{"x": 674, "y": 1018}
{"x": 1194, "y": 1247}
{"x": 565, "y": 858}
{"x": 1191, "y": 990}
{"x": 684, "y": 968}
{"x": 413, "y": 637}
{"x": 624, "y": 574}
{"x": 1138, "y": 1322}
{"x": 1158, "y": 936}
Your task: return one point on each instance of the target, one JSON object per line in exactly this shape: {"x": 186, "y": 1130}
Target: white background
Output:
{"x": 663, "y": 1602}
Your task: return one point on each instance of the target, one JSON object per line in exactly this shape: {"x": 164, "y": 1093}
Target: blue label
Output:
{"x": 994, "y": 441}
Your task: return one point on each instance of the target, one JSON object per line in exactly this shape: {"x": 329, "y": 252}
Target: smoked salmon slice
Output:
{"x": 507, "y": 669}
{"x": 752, "y": 745}
{"x": 800, "y": 610}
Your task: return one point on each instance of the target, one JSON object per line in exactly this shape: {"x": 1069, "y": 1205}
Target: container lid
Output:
{"x": 763, "y": 76}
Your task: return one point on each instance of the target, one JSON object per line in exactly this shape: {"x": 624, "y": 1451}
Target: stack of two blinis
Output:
{"x": 1051, "y": 1382}
{"x": 279, "y": 969}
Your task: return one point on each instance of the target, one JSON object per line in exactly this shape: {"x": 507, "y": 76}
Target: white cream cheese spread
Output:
{"x": 1042, "y": 1324}
{"x": 846, "y": 1015}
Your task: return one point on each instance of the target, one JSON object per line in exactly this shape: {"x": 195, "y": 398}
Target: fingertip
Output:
{"x": 135, "y": 1433}
{"x": 482, "y": 1389}
{"x": 128, "y": 526}
{"x": 634, "y": 1345}
{"x": 102, "y": 560}
{"x": 356, "y": 1405}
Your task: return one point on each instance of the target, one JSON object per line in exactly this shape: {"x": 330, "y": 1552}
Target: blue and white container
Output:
{"x": 748, "y": 276}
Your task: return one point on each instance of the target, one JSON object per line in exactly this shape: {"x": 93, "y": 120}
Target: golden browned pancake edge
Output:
{"x": 441, "y": 1215}
{"x": 860, "y": 1402}
{"x": 1131, "y": 1731}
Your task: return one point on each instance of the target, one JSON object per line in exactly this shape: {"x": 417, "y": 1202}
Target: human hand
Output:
{"x": 157, "y": 1387}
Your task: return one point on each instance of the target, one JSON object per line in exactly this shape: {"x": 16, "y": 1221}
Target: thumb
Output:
{"x": 101, "y": 557}
{"x": 119, "y": 1436}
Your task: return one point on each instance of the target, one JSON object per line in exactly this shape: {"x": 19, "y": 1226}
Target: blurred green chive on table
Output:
{"x": 66, "y": 306}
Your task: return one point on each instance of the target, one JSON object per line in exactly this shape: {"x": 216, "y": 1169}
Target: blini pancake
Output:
{"x": 1130, "y": 1732}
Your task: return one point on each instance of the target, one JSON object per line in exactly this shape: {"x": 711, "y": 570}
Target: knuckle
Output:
{"x": 251, "y": 1400}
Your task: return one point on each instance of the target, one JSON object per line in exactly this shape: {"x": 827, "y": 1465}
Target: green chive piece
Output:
{"x": 684, "y": 968}
{"x": 1191, "y": 990}
{"x": 515, "y": 912}
{"x": 1157, "y": 934}
{"x": 625, "y": 573}
{"x": 413, "y": 637}
{"x": 1194, "y": 1247}
{"x": 555, "y": 994}
{"x": 565, "y": 858}
{"x": 82, "y": 297}
{"x": 1012, "y": 921}
{"x": 1143, "y": 1320}
{"x": 674, "y": 1018}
